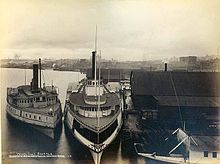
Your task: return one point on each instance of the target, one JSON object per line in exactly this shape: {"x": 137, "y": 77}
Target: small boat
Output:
{"x": 190, "y": 150}
{"x": 34, "y": 105}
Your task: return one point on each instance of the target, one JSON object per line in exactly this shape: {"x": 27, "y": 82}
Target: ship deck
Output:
{"x": 79, "y": 100}
{"x": 24, "y": 91}
{"x": 92, "y": 123}
{"x": 43, "y": 110}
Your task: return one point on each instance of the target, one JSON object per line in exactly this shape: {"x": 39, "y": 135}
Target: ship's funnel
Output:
{"x": 35, "y": 78}
{"x": 93, "y": 63}
{"x": 165, "y": 69}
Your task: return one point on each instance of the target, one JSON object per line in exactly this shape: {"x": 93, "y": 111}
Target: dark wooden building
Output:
{"x": 178, "y": 99}
{"x": 111, "y": 75}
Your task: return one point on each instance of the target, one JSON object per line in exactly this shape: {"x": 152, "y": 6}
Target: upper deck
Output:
{"x": 23, "y": 97}
{"x": 91, "y": 93}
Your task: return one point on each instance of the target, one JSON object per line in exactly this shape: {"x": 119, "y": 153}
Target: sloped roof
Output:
{"x": 195, "y": 84}
{"x": 206, "y": 143}
{"x": 109, "y": 73}
{"x": 188, "y": 101}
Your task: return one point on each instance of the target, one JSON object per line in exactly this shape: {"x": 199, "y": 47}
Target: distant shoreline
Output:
{"x": 64, "y": 70}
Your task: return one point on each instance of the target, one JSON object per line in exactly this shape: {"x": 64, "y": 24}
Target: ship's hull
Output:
{"x": 18, "y": 114}
{"x": 95, "y": 149}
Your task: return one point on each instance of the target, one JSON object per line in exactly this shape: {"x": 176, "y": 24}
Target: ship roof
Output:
{"x": 25, "y": 91}
{"x": 79, "y": 99}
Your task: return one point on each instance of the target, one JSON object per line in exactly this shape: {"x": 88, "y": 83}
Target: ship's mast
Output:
{"x": 98, "y": 106}
{"x": 95, "y": 58}
{"x": 99, "y": 82}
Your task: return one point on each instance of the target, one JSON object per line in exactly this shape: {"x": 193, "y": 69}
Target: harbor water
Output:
{"x": 24, "y": 144}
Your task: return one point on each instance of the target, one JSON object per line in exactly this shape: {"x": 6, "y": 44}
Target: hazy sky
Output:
{"x": 127, "y": 29}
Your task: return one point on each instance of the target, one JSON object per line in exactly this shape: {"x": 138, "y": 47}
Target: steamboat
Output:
{"x": 34, "y": 105}
{"x": 93, "y": 113}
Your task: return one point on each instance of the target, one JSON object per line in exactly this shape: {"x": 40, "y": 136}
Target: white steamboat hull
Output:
{"x": 19, "y": 115}
{"x": 95, "y": 149}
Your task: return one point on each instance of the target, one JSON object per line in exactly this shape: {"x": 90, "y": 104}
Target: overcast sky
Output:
{"x": 127, "y": 29}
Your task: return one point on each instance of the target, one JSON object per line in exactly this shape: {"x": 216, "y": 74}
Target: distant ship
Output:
{"x": 93, "y": 113}
{"x": 33, "y": 104}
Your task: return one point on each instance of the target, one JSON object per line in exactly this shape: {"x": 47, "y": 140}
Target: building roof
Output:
{"x": 110, "y": 74}
{"x": 205, "y": 143}
{"x": 193, "y": 84}
{"x": 188, "y": 101}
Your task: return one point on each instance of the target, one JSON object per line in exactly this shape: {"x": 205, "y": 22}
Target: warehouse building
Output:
{"x": 190, "y": 100}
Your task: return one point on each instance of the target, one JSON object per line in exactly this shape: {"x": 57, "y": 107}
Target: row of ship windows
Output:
{"x": 94, "y": 109}
{"x": 214, "y": 154}
{"x": 35, "y": 117}
{"x": 93, "y": 83}
{"x": 26, "y": 115}
{"x": 12, "y": 109}
{"x": 30, "y": 101}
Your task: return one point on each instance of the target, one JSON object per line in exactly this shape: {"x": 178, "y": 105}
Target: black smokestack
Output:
{"x": 35, "y": 77}
{"x": 165, "y": 67}
{"x": 93, "y": 64}
{"x": 40, "y": 70}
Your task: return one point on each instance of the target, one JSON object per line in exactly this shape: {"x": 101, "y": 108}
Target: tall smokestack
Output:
{"x": 35, "y": 77}
{"x": 93, "y": 64}
{"x": 40, "y": 70}
{"x": 165, "y": 67}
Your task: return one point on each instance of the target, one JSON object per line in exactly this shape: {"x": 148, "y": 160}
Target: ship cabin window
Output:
{"x": 44, "y": 98}
{"x": 34, "y": 117}
{"x": 30, "y": 116}
{"x": 37, "y": 99}
{"x": 93, "y": 83}
{"x": 206, "y": 153}
{"x": 39, "y": 118}
{"x": 31, "y": 100}
{"x": 214, "y": 154}
{"x": 117, "y": 107}
{"x": 26, "y": 115}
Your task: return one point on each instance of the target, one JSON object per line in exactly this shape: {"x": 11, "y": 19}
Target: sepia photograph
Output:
{"x": 110, "y": 81}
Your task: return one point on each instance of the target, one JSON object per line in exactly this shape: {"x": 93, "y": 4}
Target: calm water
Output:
{"x": 18, "y": 138}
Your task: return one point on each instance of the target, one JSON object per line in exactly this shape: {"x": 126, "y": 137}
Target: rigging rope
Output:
{"x": 174, "y": 88}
